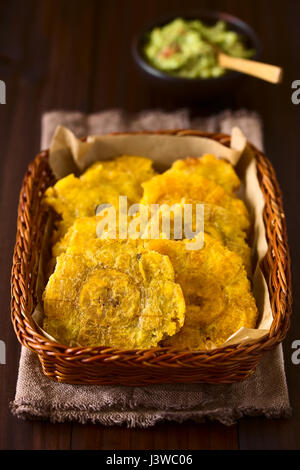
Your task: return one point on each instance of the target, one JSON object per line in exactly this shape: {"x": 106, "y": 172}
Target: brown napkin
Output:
{"x": 264, "y": 393}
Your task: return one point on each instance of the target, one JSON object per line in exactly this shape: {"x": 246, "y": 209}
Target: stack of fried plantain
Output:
{"x": 142, "y": 293}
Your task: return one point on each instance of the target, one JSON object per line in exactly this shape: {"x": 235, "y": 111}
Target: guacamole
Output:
{"x": 184, "y": 48}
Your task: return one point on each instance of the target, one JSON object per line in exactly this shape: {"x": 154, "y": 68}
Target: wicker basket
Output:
{"x": 102, "y": 365}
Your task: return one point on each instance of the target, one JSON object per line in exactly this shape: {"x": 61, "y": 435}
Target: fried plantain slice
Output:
{"x": 216, "y": 169}
{"x": 126, "y": 173}
{"x": 102, "y": 183}
{"x": 113, "y": 293}
{"x": 189, "y": 338}
{"x": 217, "y": 222}
{"x": 216, "y": 291}
{"x": 173, "y": 187}
{"x": 85, "y": 229}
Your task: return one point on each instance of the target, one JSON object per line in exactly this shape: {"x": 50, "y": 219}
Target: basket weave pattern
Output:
{"x": 103, "y": 365}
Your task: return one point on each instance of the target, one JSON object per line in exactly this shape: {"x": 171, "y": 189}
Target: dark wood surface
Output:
{"x": 76, "y": 55}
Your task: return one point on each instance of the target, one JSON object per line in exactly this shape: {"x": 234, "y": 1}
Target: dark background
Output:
{"x": 76, "y": 55}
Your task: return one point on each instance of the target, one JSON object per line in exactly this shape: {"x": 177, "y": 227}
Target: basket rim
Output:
{"x": 28, "y": 333}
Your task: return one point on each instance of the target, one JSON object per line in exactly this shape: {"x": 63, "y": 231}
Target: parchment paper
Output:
{"x": 68, "y": 154}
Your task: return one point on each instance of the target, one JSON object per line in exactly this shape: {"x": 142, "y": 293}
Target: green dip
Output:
{"x": 183, "y": 48}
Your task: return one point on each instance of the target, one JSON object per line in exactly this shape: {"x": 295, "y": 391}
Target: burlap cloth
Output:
{"x": 264, "y": 393}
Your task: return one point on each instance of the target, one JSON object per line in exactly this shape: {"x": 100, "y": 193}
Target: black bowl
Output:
{"x": 194, "y": 89}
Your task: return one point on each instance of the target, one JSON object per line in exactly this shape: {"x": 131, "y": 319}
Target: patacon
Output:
{"x": 152, "y": 221}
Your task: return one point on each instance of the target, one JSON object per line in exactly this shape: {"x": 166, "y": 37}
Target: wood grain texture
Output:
{"x": 59, "y": 54}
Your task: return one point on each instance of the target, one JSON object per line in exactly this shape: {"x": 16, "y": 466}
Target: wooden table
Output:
{"x": 75, "y": 55}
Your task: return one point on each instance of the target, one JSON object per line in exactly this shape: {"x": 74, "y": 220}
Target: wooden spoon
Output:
{"x": 270, "y": 73}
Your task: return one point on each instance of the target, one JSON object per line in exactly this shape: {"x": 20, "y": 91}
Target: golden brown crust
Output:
{"x": 113, "y": 293}
{"x": 172, "y": 187}
{"x": 208, "y": 166}
{"x": 216, "y": 291}
{"x": 102, "y": 183}
{"x": 107, "y": 305}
